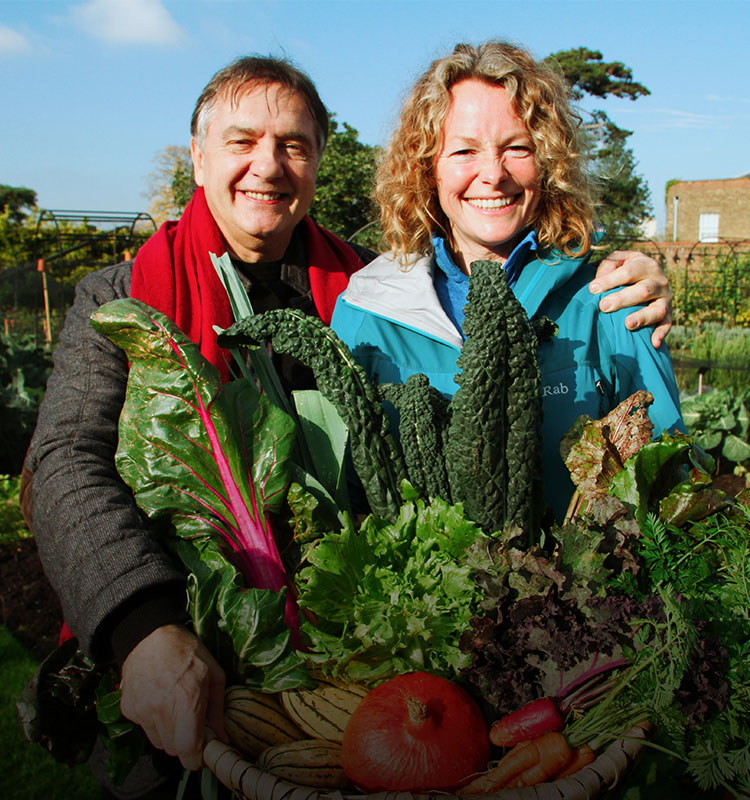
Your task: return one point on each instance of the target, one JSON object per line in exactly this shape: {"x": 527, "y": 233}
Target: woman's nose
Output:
{"x": 493, "y": 168}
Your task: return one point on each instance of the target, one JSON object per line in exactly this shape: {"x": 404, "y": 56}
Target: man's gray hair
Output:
{"x": 246, "y": 72}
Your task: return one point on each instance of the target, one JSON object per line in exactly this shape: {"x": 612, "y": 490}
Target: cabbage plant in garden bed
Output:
{"x": 720, "y": 423}
{"x": 635, "y": 611}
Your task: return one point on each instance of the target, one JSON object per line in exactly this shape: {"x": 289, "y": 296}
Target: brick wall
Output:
{"x": 730, "y": 199}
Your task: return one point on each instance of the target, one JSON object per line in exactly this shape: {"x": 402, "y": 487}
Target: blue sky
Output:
{"x": 92, "y": 90}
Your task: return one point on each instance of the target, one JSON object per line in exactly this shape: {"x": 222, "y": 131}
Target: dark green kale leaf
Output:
{"x": 422, "y": 428}
{"x": 493, "y": 447}
{"x": 375, "y": 454}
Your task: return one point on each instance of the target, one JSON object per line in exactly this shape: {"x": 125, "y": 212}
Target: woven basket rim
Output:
{"x": 592, "y": 781}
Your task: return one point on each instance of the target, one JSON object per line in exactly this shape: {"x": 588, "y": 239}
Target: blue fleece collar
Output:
{"x": 452, "y": 285}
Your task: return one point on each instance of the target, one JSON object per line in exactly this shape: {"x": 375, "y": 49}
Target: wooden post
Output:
{"x": 47, "y": 324}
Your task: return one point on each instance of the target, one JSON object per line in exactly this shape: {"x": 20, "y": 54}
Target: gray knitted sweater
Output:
{"x": 96, "y": 547}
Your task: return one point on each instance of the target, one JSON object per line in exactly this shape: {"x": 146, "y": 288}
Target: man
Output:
{"x": 258, "y": 133}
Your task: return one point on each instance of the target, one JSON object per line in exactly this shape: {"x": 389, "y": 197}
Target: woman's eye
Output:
{"x": 519, "y": 150}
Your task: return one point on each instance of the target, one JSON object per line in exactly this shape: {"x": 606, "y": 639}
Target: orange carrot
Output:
{"x": 529, "y": 763}
{"x": 582, "y": 757}
{"x": 554, "y": 754}
{"x": 510, "y": 765}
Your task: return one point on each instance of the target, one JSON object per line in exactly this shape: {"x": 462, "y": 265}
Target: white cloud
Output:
{"x": 12, "y": 41}
{"x": 717, "y": 98}
{"x": 673, "y": 118}
{"x": 128, "y": 21}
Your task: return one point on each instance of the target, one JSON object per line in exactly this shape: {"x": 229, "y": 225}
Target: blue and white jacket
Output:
{"x": 392, "y": 320}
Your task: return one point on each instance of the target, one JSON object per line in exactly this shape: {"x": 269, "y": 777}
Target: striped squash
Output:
{"x": 310, "y": 762}
{"x": 323, "y": 712}
{"x": 255, "y": 721}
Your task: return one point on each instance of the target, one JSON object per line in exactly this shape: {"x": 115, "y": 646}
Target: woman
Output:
{"x": 486, "y": 163}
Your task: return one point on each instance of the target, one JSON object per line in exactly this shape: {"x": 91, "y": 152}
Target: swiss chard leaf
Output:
{"x": 211, "y": 459}
{"x": 595, "y": 450}
{"x": 649, "y": 475}
{"x": 242, "y": 627}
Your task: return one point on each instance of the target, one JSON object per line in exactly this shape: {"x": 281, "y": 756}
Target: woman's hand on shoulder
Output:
{"x": 643, "y": 281}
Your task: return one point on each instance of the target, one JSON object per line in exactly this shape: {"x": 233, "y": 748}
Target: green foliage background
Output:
{"x": 345, "y": 178}
{"x": 28, "y": 771}
{"x": 712, "y": 344}
{"x": 23, "y": 376}
{"x": 624, "y": 198}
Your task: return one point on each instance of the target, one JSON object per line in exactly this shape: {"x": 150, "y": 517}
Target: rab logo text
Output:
{"x": 557, "y": 388}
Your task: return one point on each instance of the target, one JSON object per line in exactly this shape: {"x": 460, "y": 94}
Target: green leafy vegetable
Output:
{"x": 423, "y": 427}
{"x": 241, "y": 307}
{"x": 211, "y": 460}
{"x": 57, "y": 708}
{"x": 392, "y": 596}
{"x": 595, "y": 450}
{"x": 720, "y": 423}
{"x": 125, "y": 741}
{"x": 375, "y": 454}
{"x": 242, "y": 627}
{"x": 326, "y": 436}
{"x": 493, "y": 447}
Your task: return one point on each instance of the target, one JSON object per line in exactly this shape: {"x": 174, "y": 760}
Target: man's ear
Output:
{"x": 197, "y": 155}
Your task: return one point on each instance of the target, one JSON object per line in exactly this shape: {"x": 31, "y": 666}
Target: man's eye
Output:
{"x": 296, "y": 149}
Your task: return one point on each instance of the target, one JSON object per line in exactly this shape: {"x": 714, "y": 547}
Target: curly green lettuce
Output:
{"x": 392, "y": 597}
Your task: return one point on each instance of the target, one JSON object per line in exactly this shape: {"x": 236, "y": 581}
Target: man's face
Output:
{"x": 257, "y": 165}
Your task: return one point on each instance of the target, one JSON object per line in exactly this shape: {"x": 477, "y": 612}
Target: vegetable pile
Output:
{"x": 634, "y": 613}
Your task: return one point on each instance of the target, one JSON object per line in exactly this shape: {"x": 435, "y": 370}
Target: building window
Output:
{"x": 708, "y": 228}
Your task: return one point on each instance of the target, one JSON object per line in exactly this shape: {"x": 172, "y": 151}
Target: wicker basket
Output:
{"x": 594, "y": 781}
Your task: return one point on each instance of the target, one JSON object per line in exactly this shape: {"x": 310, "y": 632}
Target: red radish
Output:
{"x": 415, "y": 732}
{"x": 529, "y": 722}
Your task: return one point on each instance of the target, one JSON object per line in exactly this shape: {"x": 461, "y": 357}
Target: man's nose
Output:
{"x": 266, "y": 162}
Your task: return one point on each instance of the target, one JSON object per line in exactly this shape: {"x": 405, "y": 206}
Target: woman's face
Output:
{"x": 487, "y": 178}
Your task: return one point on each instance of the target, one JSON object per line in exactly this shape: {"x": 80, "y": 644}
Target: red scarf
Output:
{"x": 174, "y": 274}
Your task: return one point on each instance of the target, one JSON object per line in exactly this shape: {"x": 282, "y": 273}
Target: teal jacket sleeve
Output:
{"x": 638, "y": 365}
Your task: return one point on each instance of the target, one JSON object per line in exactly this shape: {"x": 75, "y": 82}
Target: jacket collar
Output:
{"x": 404, "y": 294}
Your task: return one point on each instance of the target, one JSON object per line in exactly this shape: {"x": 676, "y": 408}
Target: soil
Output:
{"x": 29, "y": 607}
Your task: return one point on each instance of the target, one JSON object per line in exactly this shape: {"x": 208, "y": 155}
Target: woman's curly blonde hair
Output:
{"x": 406, "y": 187}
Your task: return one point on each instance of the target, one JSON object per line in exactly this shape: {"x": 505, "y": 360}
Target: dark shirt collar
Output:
{"x": 281, "y": 282}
